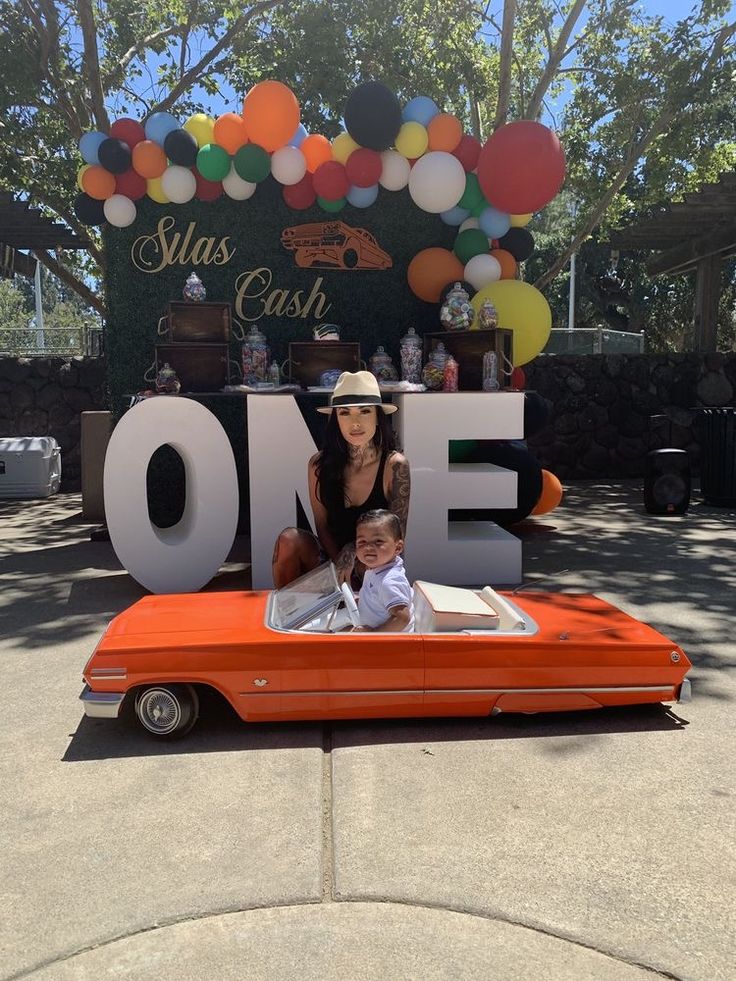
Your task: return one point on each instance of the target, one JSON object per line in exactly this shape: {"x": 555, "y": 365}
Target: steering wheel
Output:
{"x": 350, "y": 604}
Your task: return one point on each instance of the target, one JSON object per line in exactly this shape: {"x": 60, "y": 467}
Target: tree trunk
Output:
{"x": 556, "y": 55}
{"x": 504, "y": 71}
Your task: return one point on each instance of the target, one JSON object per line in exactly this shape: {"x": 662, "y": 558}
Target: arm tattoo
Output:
{"x": 400, "y": 488}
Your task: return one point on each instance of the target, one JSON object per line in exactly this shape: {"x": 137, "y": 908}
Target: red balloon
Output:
{"x": 131, "y": 184}
{"x": 518, "y": 379}
{"x": 363, "y": 167}
{"x": 207, "y": 190}
{"x": 301, "y": 195}
{"x": 331, "y": 181}
{"x": 521, "y": 167}
{"x": 129, "y": 131}
{"x": 467, "y": 152}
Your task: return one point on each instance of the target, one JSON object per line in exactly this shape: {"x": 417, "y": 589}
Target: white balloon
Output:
{"x": 120, "y": 211}
{"x": 288, "y": 165}
{"x": 395, "y": 172}
{"x": 178, "y": 184}
{"x": 236, "y": 188}
{"x": 468, "y": 223}
{"x": 482, "y": 270}
{"x": 437, "y": 182}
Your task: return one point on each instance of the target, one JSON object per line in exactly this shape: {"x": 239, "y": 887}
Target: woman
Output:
{"x": 357, "y": 470}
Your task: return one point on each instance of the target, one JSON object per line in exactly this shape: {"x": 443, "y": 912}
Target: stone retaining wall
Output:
{"x": 599, "y": 423}
{"x": 45, "y": 396}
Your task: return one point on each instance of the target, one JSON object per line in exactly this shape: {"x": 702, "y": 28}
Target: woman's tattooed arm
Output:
{"x": 400, "y": 489}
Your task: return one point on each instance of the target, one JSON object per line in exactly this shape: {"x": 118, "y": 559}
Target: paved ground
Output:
{"x": 572, "y": 846}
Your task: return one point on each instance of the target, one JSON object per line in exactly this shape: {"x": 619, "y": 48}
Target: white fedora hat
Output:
{"x": 356, "y": 388}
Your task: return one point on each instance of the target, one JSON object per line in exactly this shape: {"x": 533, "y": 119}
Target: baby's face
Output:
{"x": 374, "y": 544}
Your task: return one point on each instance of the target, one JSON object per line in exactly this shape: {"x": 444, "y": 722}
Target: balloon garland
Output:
{"x": 489, "y": 192}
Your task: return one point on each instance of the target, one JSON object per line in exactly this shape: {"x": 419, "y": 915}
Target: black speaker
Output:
{"x": 667, "y": 482}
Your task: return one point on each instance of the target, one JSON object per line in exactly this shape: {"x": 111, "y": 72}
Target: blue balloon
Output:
{"x": 493, "y": 222}
{"x": 159, "y": 125}
{"x": 299, "y": 136}
{"x": 362, "y": 197}
{"x": 89, "y": 145}
{"x": 455, "y": 216}
{"x": 420, "y": 110}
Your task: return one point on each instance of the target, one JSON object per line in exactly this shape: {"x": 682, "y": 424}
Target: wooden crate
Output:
{"x": 308, "y": 359}
{"x": 468, "y": 347}
{"x": 200, "y": 323}
{"x": 200, "y": 367}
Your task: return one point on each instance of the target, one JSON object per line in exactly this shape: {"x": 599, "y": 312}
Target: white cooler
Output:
{"x": 30, "y": 466}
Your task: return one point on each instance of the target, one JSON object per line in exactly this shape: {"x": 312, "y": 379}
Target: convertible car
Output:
{"x": 289, "y": 654}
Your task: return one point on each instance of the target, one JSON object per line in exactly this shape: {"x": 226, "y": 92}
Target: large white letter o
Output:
{"x": 185, "y": 557}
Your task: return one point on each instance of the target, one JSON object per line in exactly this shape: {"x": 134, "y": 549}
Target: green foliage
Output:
{"x": 66, "y": 319}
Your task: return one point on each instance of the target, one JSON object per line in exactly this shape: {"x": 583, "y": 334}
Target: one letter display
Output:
{"x": 185, "y": 557}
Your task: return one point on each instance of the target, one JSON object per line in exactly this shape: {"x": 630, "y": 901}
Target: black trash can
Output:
{"x": 717, "y": 429}
{"x": 667, "y": 482}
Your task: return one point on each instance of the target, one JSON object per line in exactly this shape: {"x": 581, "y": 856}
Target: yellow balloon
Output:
{"x": 519, "y": 221}
{"x": 80, "y": 174}
{"x": 155, "y": 191}
{"x": 522, "y": 309}
{"x": 342, "y": 146}
{"x": 412, "y": 140}
{"x": 201, "y": 127}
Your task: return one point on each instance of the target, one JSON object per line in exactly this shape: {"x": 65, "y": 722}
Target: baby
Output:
{"x": 385, "y": 599}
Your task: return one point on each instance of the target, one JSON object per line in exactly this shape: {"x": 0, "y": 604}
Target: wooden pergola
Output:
{"x": 24, "y": 227}
{"x": 694, "y": 235}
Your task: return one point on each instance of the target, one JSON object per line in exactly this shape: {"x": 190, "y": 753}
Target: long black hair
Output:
{"x": 334, "y": 457}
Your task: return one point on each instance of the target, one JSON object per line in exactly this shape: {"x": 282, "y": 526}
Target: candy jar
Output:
{"x": 194, "y": 290}
{"x": 410, "y": 347}
{"x": 490, "y": 372}
{"x": 433, "y": 373}
{"x": 167, "y": 382}
{"x": 450, "y": 375}
{"x": 456, "y": 312}
{"x": 382, "y": 366}
{"x": 255, "y": 357}
{"x": 487, "y": 316}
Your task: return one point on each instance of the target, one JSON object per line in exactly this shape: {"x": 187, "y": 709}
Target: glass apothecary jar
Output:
{"x": 433, "y": 373}
{"x": 410, "y": 350}
{"x": 256, "y": 357}
{"x": 381, "y": 365}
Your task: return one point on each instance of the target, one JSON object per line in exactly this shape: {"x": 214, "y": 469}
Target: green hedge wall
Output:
{"x": 372, "y": 306}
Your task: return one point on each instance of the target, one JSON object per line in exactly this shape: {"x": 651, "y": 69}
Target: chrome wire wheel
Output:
{"x": 167, "y": 711}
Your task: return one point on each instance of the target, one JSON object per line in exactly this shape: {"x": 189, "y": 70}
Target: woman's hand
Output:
{"x": 345, "y": 563}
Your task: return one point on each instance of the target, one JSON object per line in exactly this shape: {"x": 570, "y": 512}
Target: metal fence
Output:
{"x": 51, "y": 342}
{"x": 593, "y": 340}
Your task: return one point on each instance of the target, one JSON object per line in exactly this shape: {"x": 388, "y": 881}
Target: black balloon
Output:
{"x": 512, "y": 456}
{"x": 536, "y": 413}
{"x": 519, "y": 242}
{"x": 89, "y": 210}
{"x": 114, "y": 155}
{"x": 181, "y": 148}
{"x": 373, "y": 116}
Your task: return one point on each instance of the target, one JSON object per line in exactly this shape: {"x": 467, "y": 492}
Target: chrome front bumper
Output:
{"x": 686, "y": 691}
{"x": 101, "y": 704}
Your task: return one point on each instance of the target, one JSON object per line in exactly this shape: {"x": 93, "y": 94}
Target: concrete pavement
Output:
{"x": 583, "y": 845}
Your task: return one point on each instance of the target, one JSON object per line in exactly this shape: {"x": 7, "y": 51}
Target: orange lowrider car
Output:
{"x": 288, "y": 655}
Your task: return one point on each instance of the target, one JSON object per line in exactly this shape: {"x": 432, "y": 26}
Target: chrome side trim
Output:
{"x": 468, "y": 691}
{"x": 101, "y": 704}
{"x": 111, "y": 674}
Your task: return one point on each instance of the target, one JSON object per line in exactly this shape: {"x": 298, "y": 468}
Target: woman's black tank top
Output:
{"x": 341, "y": 520}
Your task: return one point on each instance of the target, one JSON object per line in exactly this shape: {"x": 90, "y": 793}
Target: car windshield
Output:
{"x": 306, "y": 598}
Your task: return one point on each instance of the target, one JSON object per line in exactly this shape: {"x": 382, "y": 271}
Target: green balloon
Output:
{"x": 252, "y": 163}
{"x": 477, "y": 210}
{"x": 213, "y": 162}
{"x": 331, "y": 206}
{"x": 472, "y": 195}
{"x": 469, "y": 243}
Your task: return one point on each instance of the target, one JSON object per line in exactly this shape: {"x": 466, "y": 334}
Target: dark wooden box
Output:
{"x": 201, "y": 323}
{"x": 468, "y": 347}
{"x": 200, "y": 367}
{"x": 308, "y": 359}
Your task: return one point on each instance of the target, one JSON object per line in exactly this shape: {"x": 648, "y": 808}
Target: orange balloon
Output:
{"x": 431, "y": 270}
{"x": 551, "y": 494}
{"x": 271, "y": 114}
{"x": 445, "y": 132}
{"x": 230, "y": 132}
{"x": 149, "y": 159}
{"x": 507, "y": 262}
{"x": 98, "y": 182}
{"x": 317, "y": 150}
